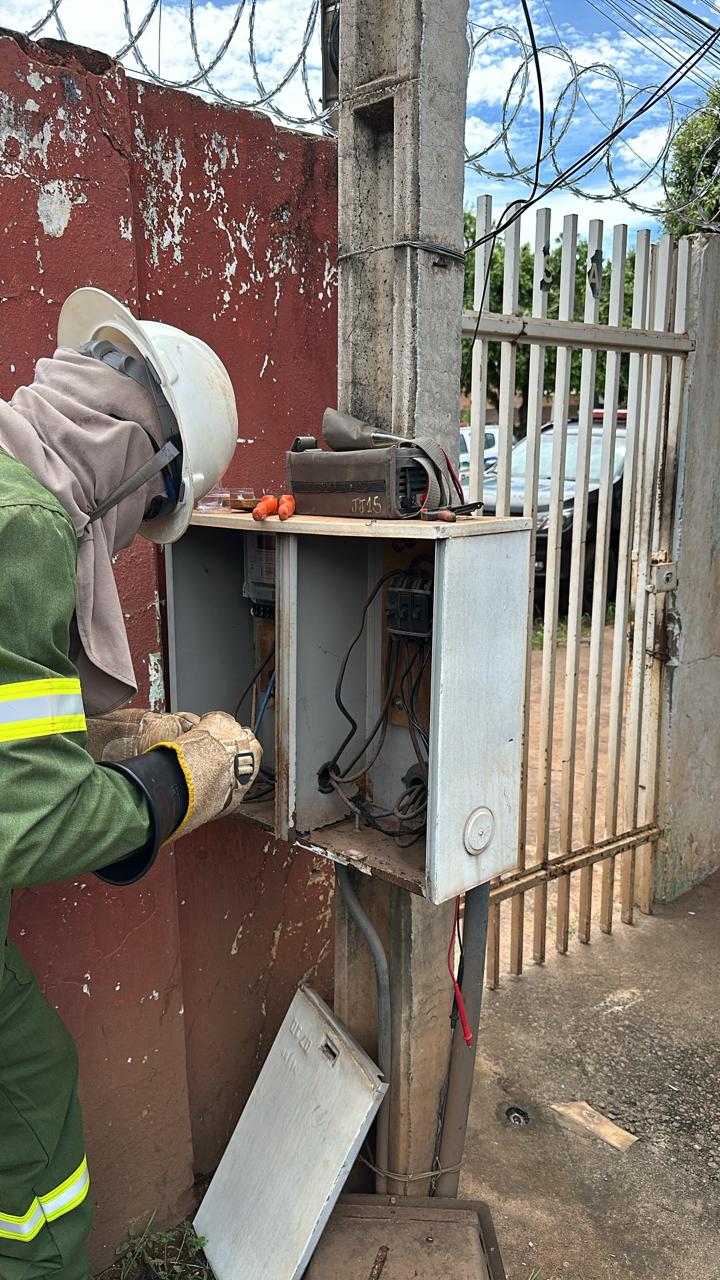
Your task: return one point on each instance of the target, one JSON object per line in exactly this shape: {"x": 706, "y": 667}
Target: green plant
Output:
{"x": 162, "y": 1255}
{"x": 526, "y": 271}
{"x": 692, "y": 186}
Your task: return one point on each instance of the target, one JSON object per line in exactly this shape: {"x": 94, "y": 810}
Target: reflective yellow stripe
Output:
{"x": 38, "y": 708}
{"x": 37, "y": 688}
{"x": 19, "y": 729}
{"x": 46, "y": 1208}
{"x": 68, "y": 1195}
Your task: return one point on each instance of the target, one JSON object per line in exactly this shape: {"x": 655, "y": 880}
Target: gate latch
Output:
{"x": 663, "y": 577}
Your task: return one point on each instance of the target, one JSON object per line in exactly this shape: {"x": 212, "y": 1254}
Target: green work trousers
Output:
{"x": 45, "y": 1209}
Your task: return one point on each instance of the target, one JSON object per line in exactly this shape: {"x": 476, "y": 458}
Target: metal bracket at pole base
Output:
{"x": 462, "y": 1056}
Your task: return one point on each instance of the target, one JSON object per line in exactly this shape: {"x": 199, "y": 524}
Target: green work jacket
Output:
{"x": 61, "y": 815}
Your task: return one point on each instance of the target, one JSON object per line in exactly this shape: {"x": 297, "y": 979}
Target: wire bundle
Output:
{"x": 405, "y": 663}
{"x": 263, "y": 787}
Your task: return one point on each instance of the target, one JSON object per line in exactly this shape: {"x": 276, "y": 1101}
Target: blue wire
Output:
{"x": 263, "y": 704}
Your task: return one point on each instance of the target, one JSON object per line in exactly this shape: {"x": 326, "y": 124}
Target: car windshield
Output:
{"x": 519, "y": 457}
{"x": 463, "y": 445}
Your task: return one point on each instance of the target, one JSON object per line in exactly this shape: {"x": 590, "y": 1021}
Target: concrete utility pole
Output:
{"x": 403, "y": 73}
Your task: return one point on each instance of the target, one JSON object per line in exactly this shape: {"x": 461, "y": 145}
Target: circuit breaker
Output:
{"x": 381, "y": 663}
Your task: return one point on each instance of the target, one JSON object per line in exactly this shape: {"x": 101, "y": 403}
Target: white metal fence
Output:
{"x": 592, "y": 694}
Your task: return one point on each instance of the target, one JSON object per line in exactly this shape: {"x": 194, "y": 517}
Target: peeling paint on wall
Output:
{"x": 157, "y": 681}
{"x": 20, "y": 138}
{"x": 165, "y": 207}
{"x": 54, "y": 206}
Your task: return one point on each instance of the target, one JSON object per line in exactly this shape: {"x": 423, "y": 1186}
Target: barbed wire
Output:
{"x": 241, "y": 71}
{"x": 572, "y": 107}
{"x": 243, "y": 22}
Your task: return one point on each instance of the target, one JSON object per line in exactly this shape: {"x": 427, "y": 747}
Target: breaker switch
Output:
{"x": 409, "y": 611}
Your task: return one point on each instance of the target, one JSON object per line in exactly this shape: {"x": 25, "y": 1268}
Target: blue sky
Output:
{"x": 612, "y": 62}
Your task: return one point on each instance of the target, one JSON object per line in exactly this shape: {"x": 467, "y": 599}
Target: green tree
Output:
{"x": 693, "y": 181}
{"x": 493, "y": 302}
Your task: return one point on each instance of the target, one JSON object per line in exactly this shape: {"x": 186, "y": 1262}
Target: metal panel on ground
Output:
{"x": 292, "y": 1149}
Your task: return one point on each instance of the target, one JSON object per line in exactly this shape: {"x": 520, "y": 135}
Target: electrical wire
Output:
{"x": 538, "y": 167}
{"x": 460, "y": 1003}
{"x": 406, "y": 820}
{"x": 264, "y": 704}
{"x": 661, "y": 91}
{"x": 263, "y": 787}
{"x": 540, "y": 93}
{"x": 253, "y": 681}
{"x": 332, "y": 764}
{"x": 587, "y": 102}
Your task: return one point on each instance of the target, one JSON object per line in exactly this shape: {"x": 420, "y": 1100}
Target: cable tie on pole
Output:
{"x": 409, "y": 1177}
{"x": 425, "y": 245}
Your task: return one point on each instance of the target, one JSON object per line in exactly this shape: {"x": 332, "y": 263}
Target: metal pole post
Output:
{"x": 462, "y": 1058}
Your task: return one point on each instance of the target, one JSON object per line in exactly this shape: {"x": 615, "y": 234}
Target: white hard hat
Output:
{"x": 193, "y": 379}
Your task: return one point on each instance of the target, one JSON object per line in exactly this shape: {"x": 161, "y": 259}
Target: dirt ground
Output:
{"x": 631, "y": 1025}
{"x": 555, "y": 787}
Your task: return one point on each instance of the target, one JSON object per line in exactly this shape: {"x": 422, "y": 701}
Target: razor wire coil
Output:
{"x": 620, "y": 172}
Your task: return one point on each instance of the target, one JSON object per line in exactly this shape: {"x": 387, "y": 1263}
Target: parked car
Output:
{"x": 490, "y": 455}
{"x": 517, "y": 495}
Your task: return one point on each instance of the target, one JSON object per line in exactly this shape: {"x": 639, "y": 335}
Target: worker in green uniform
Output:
{"x": 121, "y": 431}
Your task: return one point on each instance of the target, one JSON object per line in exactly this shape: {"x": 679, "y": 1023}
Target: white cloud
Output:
{"x": 610, "y": 66}
{"x": 166, "y": 49}
{"x": 498, "y": 85}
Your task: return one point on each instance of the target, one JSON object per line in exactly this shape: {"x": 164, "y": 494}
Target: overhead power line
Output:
{"x": 567, "y": 174}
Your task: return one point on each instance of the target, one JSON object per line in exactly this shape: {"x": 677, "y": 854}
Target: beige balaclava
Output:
{"x": 82, "y": 428}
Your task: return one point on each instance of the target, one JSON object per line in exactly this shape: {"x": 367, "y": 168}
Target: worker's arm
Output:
{"x": 60, "y": 814}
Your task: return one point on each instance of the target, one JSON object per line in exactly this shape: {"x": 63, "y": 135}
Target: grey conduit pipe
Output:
{"x": 462, "y": 1056}
{"x": 367, "y": 929}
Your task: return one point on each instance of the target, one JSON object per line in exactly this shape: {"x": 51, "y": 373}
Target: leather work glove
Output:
{"x": 220, "y": 760}
{"x": 129, "y": 732}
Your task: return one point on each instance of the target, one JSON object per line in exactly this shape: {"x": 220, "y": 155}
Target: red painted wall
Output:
{"x": 215, "y": 220}
{"x": 233, "y": 210}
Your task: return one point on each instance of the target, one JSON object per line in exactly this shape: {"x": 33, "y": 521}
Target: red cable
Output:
{"x": 467, "y": 1033}
{"x": 455, "y": 478}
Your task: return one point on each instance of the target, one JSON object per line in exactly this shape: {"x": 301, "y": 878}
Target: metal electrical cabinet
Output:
{"x": 236, "y": 588}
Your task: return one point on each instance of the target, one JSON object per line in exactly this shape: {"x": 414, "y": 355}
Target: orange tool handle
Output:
{"x": 286, "y": 506}
{"x": 267, "y": 506}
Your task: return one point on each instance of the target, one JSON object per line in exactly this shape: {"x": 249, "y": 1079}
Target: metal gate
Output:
{"x": 588, "y": 793}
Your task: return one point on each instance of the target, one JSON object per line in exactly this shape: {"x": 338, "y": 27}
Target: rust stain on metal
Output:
{"x": 379, "y": 1263}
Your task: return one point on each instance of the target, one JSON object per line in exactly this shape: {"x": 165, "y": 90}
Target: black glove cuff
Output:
{"x": 160, "y": 778}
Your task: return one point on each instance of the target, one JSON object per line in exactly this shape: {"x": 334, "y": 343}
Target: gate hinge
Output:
{"x": 662, "y": 655}
{"x": 663, "y": 577}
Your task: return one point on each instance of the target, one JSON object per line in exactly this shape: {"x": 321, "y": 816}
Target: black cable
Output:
{"x": 540, "y": 92}
{"x": 661, "y": 91}
{"x": 343, "y": 667}
{"x": 262, "y": 789}
{"x": 409, "y": 813}
{"x": 410, "y": 698}
{"x": 248, "y": 688}
{"x": 414, "y": 693}
{"x": 538, "y": 164}
{"x": 381, "y": 722}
